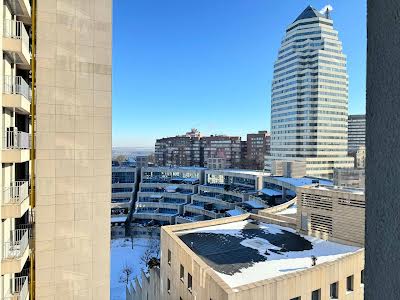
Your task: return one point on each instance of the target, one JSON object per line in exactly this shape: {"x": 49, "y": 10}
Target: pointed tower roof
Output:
{"x": 308, "y": 13}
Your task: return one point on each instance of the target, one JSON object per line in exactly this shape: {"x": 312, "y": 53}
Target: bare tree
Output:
{"x": 121, "y": 158}
{"x": 147, "y": 254}
{"x": 152, "y": 252}
{"x": 126, "y": 273}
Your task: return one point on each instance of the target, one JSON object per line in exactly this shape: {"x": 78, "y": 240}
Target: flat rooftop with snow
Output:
{"x": 251, "y": 250}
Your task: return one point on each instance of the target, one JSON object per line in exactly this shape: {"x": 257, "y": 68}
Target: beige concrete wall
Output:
{"x": 73, "y": 166}
{"x": 303, "y": 283}
{"x": 334, "y": 214}
{"x": 147, "y": 289}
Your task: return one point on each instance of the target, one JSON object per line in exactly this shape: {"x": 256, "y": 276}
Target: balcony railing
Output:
{"x": 14, "y": 139}
{"x": 16, "y": 85}
{"x": 16, "y": 246}
{"x": 16, "y": 192}
{"x": 18, "y": 289}
{"x": 16, "y": 30}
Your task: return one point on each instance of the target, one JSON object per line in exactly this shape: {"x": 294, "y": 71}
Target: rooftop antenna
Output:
{"x": 313, "y": 260}
{"x": 327, "y": 13}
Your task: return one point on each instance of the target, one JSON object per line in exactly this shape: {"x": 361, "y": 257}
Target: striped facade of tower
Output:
{"x": 309, "y": 101}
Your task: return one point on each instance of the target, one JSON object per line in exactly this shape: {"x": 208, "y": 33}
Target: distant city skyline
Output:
{"x": 209, "y": 65}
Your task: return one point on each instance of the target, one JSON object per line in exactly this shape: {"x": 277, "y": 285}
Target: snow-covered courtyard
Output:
{"x": 123, "y": 255}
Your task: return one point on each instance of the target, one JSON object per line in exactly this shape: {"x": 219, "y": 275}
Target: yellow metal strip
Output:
{"x": 33, "y": 149}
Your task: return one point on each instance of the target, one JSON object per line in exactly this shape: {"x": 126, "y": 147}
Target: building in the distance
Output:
{"x": 357, "y": 126}
{"x": 225, "y": 148}
{"x": 257, "y": 146}
{"x": 183, "y": 151}
{"x": 309, "y": 102}
{"x": 163, "y": 193}
{"x": 349, "y": 177}
{"x": 224, "y": 193}
{"x": 359, "y": 156}
{"x": 123, "y": 195}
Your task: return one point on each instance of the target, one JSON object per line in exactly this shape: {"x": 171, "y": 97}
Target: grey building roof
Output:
{"x": 308, "y": 13}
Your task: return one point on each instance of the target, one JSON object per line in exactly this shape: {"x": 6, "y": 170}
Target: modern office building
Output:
{"x": 257, "y": 146}
{"x": 309, "y": 102}
{"x": 70, "y": 134}
{"x": 357, "y": 126}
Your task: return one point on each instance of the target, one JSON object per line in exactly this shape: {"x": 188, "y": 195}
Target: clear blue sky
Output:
{"x": 207, "y": 64}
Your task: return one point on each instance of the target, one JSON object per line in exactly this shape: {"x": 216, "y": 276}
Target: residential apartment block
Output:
{"x": 309, "y": 105}
{"x": 17, "y": 254}
{"x": 257, "y": 147}
{"x": 183, "y": 151}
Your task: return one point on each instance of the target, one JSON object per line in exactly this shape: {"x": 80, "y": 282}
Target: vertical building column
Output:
{"x": 73, "y": 149}
{"x": 383, "y": 151}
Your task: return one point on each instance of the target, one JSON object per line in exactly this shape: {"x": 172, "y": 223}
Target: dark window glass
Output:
{"x": 334, "y": 291}
{"x": 350, "y": 283}
{"x": 182, "y": 273}
{"x": 316, "y": 295}
{"x": 190, "y": 282}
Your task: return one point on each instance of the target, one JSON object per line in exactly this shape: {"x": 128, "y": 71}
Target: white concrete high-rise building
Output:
{"x": 309, "y": 102}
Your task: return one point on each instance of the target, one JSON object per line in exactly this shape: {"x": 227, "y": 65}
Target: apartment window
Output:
{"x": 350, "y": 283}
{"x": 190, "y": 283}
{"x": 316, "y": 295}
{"x": 362, "y": 276}
{"x": 334, "y": 291}
{"x": 169, "y": 257}
{"x": 182, "y": 273}
{"x": 168, "y": 286}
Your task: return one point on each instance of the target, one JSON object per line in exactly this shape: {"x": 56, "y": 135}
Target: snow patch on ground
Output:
{"x": 122, "y": 254}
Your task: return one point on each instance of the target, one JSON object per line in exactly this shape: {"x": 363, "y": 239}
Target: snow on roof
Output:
{"x": 191, "y": 180}
{"x": 270, "y": 192}
{"x": 156, "y": 196}
{"x": 245, "y": 172}
{"x": 251, "y": 251}
{"x": 303, "y": 181}
{"x": 291, "y": 210}
{"x": 356, "y": 191}
{"x": 234, "y": 212}
{"x": 171, "y": 188}
{"x": 254, "y": 204}
{"x": 118, "y": 219}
